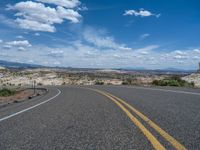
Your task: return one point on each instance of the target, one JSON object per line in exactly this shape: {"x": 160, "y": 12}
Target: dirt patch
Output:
{"x": 19, "y": 96}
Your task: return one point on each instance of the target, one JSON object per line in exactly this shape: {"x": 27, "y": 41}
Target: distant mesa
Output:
{"x": 17, "y": 65}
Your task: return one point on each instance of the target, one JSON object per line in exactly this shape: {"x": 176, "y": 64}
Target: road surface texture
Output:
{"x": 104, "y": 117}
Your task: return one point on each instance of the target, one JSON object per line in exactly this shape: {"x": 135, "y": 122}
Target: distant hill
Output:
{"x": 17, "y": 65}
{"x": 8, "y": 64}
{"x": 133, "y": 69}
{"x": 158, "y": 71}
{"x": 176, "y": 69}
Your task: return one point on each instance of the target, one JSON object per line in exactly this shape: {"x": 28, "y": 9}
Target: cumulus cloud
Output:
{"x": 141, "y": 13}
{"x": 35, "y": 25}
{"x": 178, "y": 52}
{"x": 7, "y": 46}
{"x": 36, "y": 11}
{"x": 83, "y": 8}
{"x": 24, "y": 43}
{"x": 179, "y": 55}
{"x": 38, "y": 17}
{"x": 63, "y": 3}
{"x": 69, "y": 14}
{"x": 21, "y": 49}
{"x": 20, "y": 45}
{"x": 56, "y": 53}
{"x": 196, "y": 51}
{"x": 81, "y": 54}
{"x": 1, "y": 41}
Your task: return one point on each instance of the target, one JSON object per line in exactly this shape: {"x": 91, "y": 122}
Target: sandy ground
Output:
{"x": 19, "y": 96}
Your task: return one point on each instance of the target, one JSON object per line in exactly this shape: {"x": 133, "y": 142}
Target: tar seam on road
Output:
{"x": 27, "y": 109}
{"x": 164, "y": 134}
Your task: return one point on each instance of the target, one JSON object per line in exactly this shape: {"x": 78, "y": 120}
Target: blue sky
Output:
{"x": 103, "y": 34}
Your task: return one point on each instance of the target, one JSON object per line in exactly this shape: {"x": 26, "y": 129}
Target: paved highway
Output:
{"x": 104, "y": 117}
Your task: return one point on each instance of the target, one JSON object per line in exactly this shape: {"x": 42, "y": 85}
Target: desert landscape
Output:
{"x": 66, "y": 76}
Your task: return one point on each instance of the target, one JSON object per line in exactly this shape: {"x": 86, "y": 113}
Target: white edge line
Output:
{"x": 27, "y": 109}
{"x": 164, "y": 90}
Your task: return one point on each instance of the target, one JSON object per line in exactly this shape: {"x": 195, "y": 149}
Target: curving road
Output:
{"x": 104, "y": 117}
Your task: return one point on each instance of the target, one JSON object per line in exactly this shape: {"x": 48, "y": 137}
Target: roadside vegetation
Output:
{"x": 130, "y": 81}
{"x": 6, "y": 92}
{"x": 99, "y": 82}
{"x": 172, "y": 81}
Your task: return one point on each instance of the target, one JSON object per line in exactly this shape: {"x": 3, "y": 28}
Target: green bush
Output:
{"x": 99, "y": 83}
{"x": 129, "y": 81}
{"x": 125, "y": 83}
{"x": 172, "y": 81}
{"x": 6, "y": 92}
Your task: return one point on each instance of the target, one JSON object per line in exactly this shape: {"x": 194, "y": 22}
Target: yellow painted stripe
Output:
{"x": 164, "y": 134}
{"x": 155, "y": 143}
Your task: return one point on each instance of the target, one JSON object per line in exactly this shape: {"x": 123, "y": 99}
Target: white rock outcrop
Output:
{"x": 195, "y": 77}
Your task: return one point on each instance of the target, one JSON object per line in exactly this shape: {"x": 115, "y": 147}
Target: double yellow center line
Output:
{"x": 153, "y": 140}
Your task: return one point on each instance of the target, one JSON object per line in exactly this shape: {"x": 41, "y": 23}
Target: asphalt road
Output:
{"x": 104, "y": 117}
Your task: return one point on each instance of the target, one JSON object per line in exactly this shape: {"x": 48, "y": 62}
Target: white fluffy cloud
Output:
{"x": 35, "y": 25}
{"x": 23, "y": 43}
{"x": 141, "y": 13}
{"x": 69, "y": 14}
{"x": 63, "y": 3}
{"x": 38, "y": 17}
{"x": 101, "y": 40}
{"x": 179, "y": 55}
{"x": 20, "y": 45}
{"x": 81, "y": 54}
{"x": 56, "y": 53}
{"x": 97, "y": 48}
{"x": 21, "y": 49}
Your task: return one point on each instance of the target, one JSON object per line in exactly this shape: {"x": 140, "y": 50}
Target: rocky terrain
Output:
{"x": 195, "y": 78}
{"x": 26, "y": 77}
{"x": 52, "y": 76}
